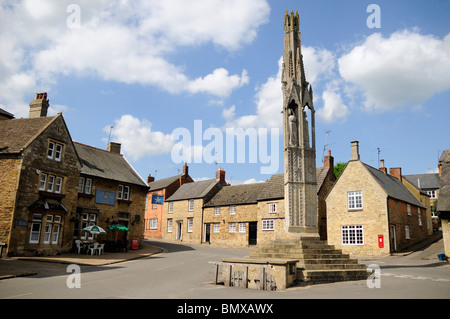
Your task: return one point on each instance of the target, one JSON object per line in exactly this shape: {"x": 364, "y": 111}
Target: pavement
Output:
{"x": 11, "y": 267}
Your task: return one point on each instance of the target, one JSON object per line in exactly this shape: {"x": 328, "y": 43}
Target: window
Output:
{"x": 242, "y": 227}
{"x": 232, "y": 227}
{"x": 355, "y": 200}
{"x": 35, "y": 232}
{"x": 420, "y": 216}
{"x": 217, "y": 211}
{"x": 154, "y": 223}
{"x": 50, "y": 183}
{"x": 407, "y": 232}
{"x": 54, "y": 151}
{"x": 216, "y": 228}
{"x": 123, "y": 192}
{"x": 352, "y": 235}
{"x": 268, "y": 224}
{"x": 408, "y": 209}
{"x": 191, "y": 205}
{"x": 154, "y": 206}
{"x": 432, "y": 194}
{"x": 272, "y": 208}
{"x": 169, "y": 225}
{"x": 233, "y": 210}
{"x": 87, "y": 220}
{"x": 170, "y": 207}
{"x": 190, "y": 224}
{"x": 88, "y": 186}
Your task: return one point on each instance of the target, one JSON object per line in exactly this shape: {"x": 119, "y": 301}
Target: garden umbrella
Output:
{"x": 94, "y": 229}
{"x": 118, "y": 227}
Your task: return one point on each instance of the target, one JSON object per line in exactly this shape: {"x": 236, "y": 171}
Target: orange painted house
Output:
{"x": 154, "y": 212}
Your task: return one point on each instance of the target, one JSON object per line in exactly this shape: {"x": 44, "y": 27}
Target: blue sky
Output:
{"x": 148, "y": 68}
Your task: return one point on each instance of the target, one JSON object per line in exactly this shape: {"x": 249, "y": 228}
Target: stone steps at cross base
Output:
{"x": 318, "y": 261}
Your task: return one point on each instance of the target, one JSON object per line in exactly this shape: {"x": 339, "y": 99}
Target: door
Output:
{"x": 393, "y": 241}
{"x": 207, "y": 233}
{"x": 180, "y": 230}
{"x": 252, "y": 232}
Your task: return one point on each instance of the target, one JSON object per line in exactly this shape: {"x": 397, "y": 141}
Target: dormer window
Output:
{"x": 54, "y": 151}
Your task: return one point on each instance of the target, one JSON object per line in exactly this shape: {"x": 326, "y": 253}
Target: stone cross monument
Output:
{"x": 300, "y": 194}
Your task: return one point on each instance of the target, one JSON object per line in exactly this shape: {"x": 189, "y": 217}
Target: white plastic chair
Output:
{"x": 79, "y": 245}
{"x": 93, "y": 248}
{"x": 100, "y": 248}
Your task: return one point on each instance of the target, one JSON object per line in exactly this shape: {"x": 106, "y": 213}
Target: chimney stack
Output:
{"x": 355, "y": 151}
{"x": 39, "y": 106}
{"x": 114, "y": 147}
{"x": 396, "y": 172}
{"x": 328, "y": 160}
{"x": 220, "y": 175}
{"x": 150, "y": 179}
{"x": 185, "y": 169}
{"x": 382, "y": 167}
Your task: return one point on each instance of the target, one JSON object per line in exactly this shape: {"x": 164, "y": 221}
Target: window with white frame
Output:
{"x": 154, "y": 223}
{"x": 232, "y": 227}
{"x": 355, "y": 200}
{"x": 272, "y": 208}
{"x": 190, "y": 225}
{"x": 268, "y": 224}
{"x": 407, "y": 232}
{"x": 191, "y": 205}
{"x": 432, "y": 194}
{"x": 123, "y": 192}
{"x": 54, "y": 151}
{"x": 85, "y": 185}
{"x": 408, "y": 209}
{"x": 170, "y": 207}
{"x": 36, "y": 224}
{"x": 217, "y": 211}
{"x": 50, "y": 183}
{"x": 169, "y": 225}
{"x": 352, "y": 235}
{"x": 87, "y": 220}
{"x": 242, "y": 227}
{"x": 233, "y": 210}
{"x": 216, "y": 228}
{"x": 419, "y": 213}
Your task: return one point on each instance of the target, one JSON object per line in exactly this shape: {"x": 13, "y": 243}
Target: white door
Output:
{"x": 180, "y": 230}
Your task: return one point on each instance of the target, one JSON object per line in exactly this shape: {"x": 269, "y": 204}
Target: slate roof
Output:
{"x": 424, "y": 181}
{"x": 101, "y": 163}
{"x": 273, "y": 188}
{"x": 193, "y": 190}
{"x": 17, "y": 134}
{"x": 393, "y": 186}
{"x": 163, "y": 183}
{"x": 237, "y": 194}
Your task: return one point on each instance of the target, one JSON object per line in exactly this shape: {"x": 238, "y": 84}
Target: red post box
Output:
{"x": 134, "y": 243}
{"x": 380, "y": 241}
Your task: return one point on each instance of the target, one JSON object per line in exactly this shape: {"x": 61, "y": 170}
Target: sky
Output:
{"x": 168, "y": 79}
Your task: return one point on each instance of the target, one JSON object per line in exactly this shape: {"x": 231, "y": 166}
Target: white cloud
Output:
{"x": 406, "y": 68}
{"x": 138, "y": 139}
{"x": 333, "y": 108}
{"x": 123, "y": 41}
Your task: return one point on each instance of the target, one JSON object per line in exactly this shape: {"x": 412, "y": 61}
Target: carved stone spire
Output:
{"x": 299, "y": 136}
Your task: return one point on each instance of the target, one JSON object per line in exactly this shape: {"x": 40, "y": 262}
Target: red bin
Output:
{"x": 134, "y": 243}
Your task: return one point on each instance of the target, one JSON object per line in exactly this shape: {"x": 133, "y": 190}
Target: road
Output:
{"x": 183, "y": 272}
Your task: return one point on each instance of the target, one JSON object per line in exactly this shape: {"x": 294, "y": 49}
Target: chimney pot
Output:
{"x": 355, "y": 151}
{"x": 328, "y": 160}
{"x": 150, "y": 178}
{"x": 382, "y": 167}
{"x": 185, "y": 169}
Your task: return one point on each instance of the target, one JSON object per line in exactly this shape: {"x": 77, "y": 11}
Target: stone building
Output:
{"x": 370, "y": 212}
{"x": 109, "y": 191}
{"x": 154, "y": 211}
{"x": 183, "y": 211}
{"x": 443, "y": 206}
{"x": 39, "y": 172}
{"x": 231, "y": 216}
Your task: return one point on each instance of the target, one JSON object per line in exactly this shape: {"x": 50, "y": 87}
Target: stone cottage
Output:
{"x": 443, "y": 206}
{"x": 372, "y": 213}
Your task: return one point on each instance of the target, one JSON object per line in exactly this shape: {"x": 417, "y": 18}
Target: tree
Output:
{"x": 338, "y": 168}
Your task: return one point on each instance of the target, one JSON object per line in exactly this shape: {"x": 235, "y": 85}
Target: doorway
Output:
{"x": 207, "y": 233}
{"x": 393, "y": 241}
{"x": 252, "y": 233}
{"x": 179, "y": 230}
